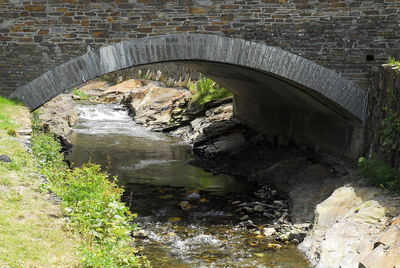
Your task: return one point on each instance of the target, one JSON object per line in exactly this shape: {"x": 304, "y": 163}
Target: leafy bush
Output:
{"x": 393, "y": 61}
{"x": 379, "y": 173}
{"x": 206, "y": 90}
{"x": 82, "y": 95}
{"x": 93, "y": 204}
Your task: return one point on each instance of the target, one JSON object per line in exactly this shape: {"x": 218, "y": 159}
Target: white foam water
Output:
{"x": 109, "y": 119}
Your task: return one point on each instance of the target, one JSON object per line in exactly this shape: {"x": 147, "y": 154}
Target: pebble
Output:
{"x": 185, "y": 205}
{"x": 283, "y": 237}
{"x": 269, "y": 232}
{"x": 295, "y": 241}
{"x": 278, "y": 202}
{"x": 268, "y": 215}
{"x": 259, "y": 208}
{"x": 193, "y": 196}
{"x": 236, "y": 202}
{"x": 284, "y": 216}
{"x": 141, "y": 234}
{"x": 249, "y": 210}
{"x": 277, "y": 214}
{"x": 245, "y": 217}
{"x": 274, "y": 246}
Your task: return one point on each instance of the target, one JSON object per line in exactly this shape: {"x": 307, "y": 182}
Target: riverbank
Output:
{"x": 317, "y": 187}
{"x": 33, "y": 229}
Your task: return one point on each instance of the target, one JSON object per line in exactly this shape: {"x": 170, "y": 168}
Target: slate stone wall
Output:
{"x": 347, "y": 36}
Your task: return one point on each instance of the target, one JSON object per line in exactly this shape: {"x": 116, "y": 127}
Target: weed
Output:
{"x": 379, "y": 173}
{"x": 393, "y": 61}
{"x": 206, "y": 90}
{"x": 82, "y": 95}
{"x": 93, "y": 204}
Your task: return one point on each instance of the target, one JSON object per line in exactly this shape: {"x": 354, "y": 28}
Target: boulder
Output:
{"x": 348, "y": 226}
{"x": 5, "y": 158}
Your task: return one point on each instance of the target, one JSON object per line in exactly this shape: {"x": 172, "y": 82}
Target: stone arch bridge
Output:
{"x": 298, "y": 69}
{"x": 275, "y": 91}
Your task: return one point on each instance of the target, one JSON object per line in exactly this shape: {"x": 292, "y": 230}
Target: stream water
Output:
{"x": 152, "y": 168}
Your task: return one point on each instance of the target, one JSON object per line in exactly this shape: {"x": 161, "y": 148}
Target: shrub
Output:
{"x": 206, "y": 90}
{"x": 93, "y": 204}
{"x": 379, "y": 173}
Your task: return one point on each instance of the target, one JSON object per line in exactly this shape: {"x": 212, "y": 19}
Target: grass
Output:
{"x": 32, "y": 229}
{"x": 206, "y": 90}
{"x": 93, "y": 204}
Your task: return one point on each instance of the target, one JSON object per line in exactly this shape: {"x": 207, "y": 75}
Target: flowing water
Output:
{"x": 152, "y": 168}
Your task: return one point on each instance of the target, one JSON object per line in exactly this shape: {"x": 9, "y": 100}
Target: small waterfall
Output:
{"x": 109, "y": 119}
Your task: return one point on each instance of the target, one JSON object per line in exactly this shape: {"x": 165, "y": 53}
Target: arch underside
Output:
{"x": 274, "y": 90}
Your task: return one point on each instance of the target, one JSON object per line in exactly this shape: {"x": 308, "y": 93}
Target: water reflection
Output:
{"x": 153, "y": 168}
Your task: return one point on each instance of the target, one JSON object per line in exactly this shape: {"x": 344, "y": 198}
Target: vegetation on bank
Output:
{"x": 92, "y": 203}
{"x": 379, "y": 173}
{"x": 393, "y": 61}
{"x": 378, "y": 170}
{"x": 206, "y": 90}
{"x": 82, "y": 95}
{"x": 32, "y": 228}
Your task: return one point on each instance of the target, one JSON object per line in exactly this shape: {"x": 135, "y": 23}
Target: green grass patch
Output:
{"x": 7, "y": 110}
{"x": 206, "y": 90}
{"x": 379, "y": 173}
{"x": 93, "y": 203}
{"x": 32, "y": 231}
{"x": 82, "y": 95}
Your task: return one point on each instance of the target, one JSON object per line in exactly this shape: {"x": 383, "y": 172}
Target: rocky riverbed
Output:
{"x": 315, "y": 201}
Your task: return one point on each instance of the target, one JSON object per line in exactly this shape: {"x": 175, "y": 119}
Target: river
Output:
{"x": 187, "y": 214}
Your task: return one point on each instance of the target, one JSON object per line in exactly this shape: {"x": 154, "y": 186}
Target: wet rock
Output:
{"x": 141, "y": 234}
{"x": 298, "y": 235}
{"x": 277, "y": 214}
{"x": 278, "y": 202}
{"x": 295, "y": 241}
{"x": 284, "y": 216}
{"x": 268, "y": 215}
{"x": 249, "y": 210}
{"x": 248, "y": 224}
{"x": 269, "y": 232}
{"x": 236, "y": 202}
{"x": 152, "y": 104}
{"x": 274, "y": 246}
{"x": 5, "y": 158}
{"x": 258, "y": 208}
{"x": 244, "y": 218}
{"x": 284, "y": 237}
{"x": 185, "y": 205}
{"x": 193, "y": 196}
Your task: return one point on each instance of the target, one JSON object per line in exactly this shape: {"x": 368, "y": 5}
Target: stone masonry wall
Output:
{"x": 384, "y": 95}
{"x": 171, "y": 73}
{"x": 347, "y": 36}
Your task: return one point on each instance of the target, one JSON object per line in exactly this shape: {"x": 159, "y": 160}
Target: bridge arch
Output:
{"x": 265, "y": 80}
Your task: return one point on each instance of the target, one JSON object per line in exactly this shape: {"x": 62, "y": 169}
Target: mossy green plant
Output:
{"x": 206, "y": 90}
{"x": 82, "y": 95}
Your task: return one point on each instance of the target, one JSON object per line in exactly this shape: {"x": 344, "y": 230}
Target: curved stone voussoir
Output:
{"x": 324, "y": 85}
